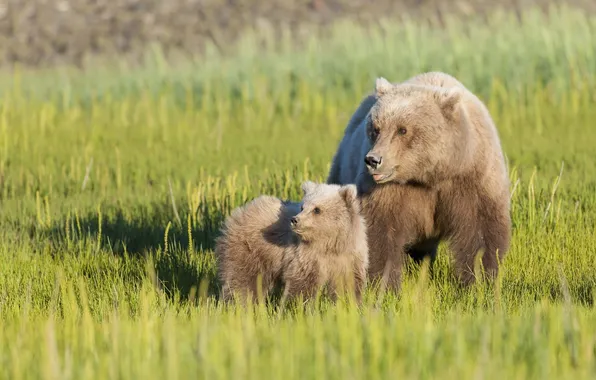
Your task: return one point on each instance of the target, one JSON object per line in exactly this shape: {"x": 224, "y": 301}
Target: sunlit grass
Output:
{"x": 113, "y": 185}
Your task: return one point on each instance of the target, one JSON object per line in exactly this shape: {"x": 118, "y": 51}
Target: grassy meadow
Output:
{"x": 114, "y": 180}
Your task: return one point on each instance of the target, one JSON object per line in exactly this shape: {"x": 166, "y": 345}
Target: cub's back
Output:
{"x": 252, "y": 242}
{"x": 249, "y": 223}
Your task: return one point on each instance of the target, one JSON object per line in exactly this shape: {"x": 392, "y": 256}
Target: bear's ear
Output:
{"x": 448, "y": 100}
{"x": 382, "y": 86}
{"x": 349, "y": 194}
{"x": 308, "y": 186}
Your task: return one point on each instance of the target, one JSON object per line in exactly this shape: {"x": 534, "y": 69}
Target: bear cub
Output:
{"x": 318, "y": 242}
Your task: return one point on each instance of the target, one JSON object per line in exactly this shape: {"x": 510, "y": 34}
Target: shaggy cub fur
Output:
{"x": 319, "y": 241}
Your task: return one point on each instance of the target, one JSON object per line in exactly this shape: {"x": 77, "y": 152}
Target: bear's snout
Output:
{"x": 373, "y": 161}
{"x": 293, "y": 221}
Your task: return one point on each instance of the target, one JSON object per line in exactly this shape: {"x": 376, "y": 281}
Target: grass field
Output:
{"x": 113, "y": 183}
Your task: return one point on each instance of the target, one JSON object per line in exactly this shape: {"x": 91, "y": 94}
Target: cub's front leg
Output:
{"x": 351, "y": 284}
{"x": 301, "y": 279}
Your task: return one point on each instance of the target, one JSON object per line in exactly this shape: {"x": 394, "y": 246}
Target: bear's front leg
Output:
{"x": 300, "y": 281}
{"x": 392, "y": 272}
{"x": 351, "y": 284}
{"x": 359, "y": 280}
{"x": 386, "y": 257}
{"x": 391, "y": 275}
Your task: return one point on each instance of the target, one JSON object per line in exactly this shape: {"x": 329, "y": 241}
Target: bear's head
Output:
{"x": 328, "y": 212}
{"x": 416, "y": 132}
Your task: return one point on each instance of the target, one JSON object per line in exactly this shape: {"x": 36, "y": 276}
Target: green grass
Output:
{"x": 99, "y": 277}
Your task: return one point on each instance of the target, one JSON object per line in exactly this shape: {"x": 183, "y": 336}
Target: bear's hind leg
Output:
{"x": 466, "y": 249}
{"x": 487, "y": 233}
{"x": 496, "y": 231}
{"x": 463, "y": 229}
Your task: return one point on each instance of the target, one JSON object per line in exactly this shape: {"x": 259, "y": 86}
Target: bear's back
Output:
{"x": 351, "y": 154}
{"x": 436, "y": 79}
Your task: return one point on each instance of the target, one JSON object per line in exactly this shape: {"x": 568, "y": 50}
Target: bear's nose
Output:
{"x": 372, "y": 160}
{"x": 294, "y": 221}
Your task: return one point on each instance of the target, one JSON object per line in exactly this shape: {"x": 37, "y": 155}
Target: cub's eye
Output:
{"x": 402, "y": 131}
{"x": 302, "y": 208}
{"x": 316, "y": 210}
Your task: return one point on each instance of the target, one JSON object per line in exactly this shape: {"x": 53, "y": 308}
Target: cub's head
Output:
{"x": 328, "y": 212}
{"x": 415, "y": 131}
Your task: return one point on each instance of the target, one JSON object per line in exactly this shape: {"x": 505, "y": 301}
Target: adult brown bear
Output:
{"x": 426, "y": 158}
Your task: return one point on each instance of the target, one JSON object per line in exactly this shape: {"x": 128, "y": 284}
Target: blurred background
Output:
{"x": 48, "y": 32}
{"x": 129, "y": 129}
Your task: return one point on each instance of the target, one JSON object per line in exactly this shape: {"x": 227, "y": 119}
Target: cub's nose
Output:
{"x": 372, "y": 160}
{"x": 294, "y": 221}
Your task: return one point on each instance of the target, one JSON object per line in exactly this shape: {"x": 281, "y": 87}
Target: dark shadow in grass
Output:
{"x": 138, "y": 232}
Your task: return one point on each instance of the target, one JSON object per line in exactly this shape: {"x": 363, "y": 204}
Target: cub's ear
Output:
{"x": 308, "y": 186}
{"x": 382, "y": 86}
{"x": 349, "y": 194}
{"x": 448, "y": 99}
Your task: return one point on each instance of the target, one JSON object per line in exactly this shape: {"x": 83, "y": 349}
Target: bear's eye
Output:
{"x": 316, "y": 210}
{"x": 302, "y": 208}
{"x": 402, "y": 131}
{"x": 374, "y": 132}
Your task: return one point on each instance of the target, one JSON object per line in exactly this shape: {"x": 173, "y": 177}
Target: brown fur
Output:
{"x": 442, "y": 175}
{"x": 324, "y": 248}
